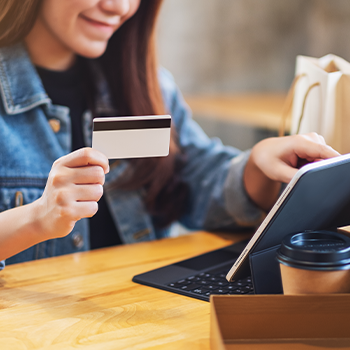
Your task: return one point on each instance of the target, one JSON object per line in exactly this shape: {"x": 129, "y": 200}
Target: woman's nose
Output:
{"x": 118, "y": 7}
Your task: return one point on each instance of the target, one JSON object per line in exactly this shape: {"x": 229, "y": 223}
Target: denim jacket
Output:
{"x": 34, "y": 133}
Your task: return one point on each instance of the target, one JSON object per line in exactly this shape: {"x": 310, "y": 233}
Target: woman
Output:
{"x": 97, "y": 57}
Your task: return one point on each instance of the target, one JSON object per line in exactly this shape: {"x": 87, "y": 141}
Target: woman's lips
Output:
{"x": 103, "y": 26}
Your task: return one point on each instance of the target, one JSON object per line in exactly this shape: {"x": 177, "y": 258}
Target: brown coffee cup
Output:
{"x": 315, "y": 262}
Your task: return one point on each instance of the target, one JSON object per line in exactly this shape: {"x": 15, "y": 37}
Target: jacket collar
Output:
{"x": 20, "y": 86}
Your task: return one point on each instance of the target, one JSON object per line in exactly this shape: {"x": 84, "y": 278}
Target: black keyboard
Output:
{"x": 204, "y": 284}
{"x": 202, "y": 275}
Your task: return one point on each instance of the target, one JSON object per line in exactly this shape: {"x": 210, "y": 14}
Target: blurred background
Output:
{"x": 234, "y": 60}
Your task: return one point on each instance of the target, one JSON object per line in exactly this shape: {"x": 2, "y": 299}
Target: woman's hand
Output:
{"x": 72, "y": 191}
{"x": 276, "y": 160}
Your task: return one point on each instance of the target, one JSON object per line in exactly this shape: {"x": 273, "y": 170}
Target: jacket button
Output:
{"x": 141, "y": 234}
{"x": 55, "y": 125}
{"x": 18, "y": 199}
{"x": 78, "y": 240}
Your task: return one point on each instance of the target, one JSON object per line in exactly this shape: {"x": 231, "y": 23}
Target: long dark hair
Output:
{"x": 130, "y": 67}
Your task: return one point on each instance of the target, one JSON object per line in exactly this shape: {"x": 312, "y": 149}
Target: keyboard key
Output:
{"x": 200, "y": 290}
{"x": 191, "y": 278}
{"x": 220, "y": 291}
{"x": 190, "y": 286}
{"x": 222, "y": 284}
{"x": 179, "y": 284}
{"x": 239, "y": 291}
{"x": 212, "y": 279}
{"x": 232, "y": 287}
{"x": 203, "y": 282}
{"x": 210, "y": 286}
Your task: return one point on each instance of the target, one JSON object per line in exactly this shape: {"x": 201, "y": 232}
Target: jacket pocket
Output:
{"x": 16, "y": 192}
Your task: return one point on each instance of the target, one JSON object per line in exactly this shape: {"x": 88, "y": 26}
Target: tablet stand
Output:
{"x": 265, "y": 271}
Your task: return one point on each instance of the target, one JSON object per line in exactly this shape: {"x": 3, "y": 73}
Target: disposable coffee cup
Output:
{"x": 315, "y": 262}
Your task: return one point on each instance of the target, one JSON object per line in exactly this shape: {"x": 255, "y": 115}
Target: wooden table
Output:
{"x": 88, "y": 301}
{"x": 261, "y": 110}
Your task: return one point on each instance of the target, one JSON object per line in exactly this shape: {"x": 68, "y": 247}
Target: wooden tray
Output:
{"x": 261, "y": 322}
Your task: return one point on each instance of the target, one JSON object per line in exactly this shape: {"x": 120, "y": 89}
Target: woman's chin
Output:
{"x": 94, "y": 50}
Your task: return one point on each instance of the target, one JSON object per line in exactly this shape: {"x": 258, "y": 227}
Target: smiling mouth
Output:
{"x": 98, "y": 23}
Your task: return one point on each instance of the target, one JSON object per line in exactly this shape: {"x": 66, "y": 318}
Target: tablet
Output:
{"x": 317, "y": 197}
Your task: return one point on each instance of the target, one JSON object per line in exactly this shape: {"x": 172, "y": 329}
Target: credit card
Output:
{"x": 132, "y": 137}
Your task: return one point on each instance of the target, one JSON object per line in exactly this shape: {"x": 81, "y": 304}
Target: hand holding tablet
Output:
{"x": 132, "y": 137}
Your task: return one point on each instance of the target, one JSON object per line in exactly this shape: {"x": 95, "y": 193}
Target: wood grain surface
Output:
{"x": 88, "y": 301}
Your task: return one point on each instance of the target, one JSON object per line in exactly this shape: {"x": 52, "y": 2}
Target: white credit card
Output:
{"x": 132, "y": 137}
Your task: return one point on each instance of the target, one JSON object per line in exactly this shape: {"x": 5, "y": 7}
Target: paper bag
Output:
{"x": 321, "y": 100}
